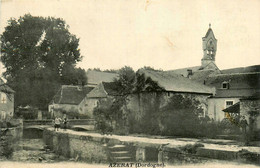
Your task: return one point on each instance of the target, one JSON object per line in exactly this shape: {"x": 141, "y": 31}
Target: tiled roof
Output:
{"x": 171, "y": 81}
{"x": 97, "y": 92}
{"x": 240, "y": 84}
{"x": 236, "y": 80}
{"x": 103, "y": 90}
{"x": 96, "y": 77}
{"x": 202, "y": 71}
{"x": 184, "y": 71}
{"x": 202, "y": 75}
{"x": 110, "y": 88}
{"x": 235, "y": 93}
{"x": 71, "y": 94}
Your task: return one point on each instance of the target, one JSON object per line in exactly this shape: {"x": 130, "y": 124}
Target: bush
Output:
{"x": 180, "y": 117}
{"x": 249, "y": 156}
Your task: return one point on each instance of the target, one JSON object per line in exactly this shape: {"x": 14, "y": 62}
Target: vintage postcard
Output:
{"x": 129, "y": 83}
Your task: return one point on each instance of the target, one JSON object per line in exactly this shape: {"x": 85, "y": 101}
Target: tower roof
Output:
{"x": 209, "y": 31}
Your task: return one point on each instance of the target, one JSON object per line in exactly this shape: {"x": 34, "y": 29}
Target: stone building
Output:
{"x": 69, "y": 100}
{"x": 102, "y": 91}
{"x": 165, "y": 85}
{"x": 6, "y": 101}
{"x": 156, "y": 90}
{"x": 230, "y": 89}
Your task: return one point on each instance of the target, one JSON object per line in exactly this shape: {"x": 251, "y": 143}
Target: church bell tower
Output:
{"x": 209, "y": 46}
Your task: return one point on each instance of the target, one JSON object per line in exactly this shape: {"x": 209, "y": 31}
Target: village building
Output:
{"x": 230, "y": 89}
{"x": 102, "y": 91}
{"x": 160, "y": 86}
{"x": 80, "y": 101}
{"x": 231, "y": 85}
{"x": 6, "y": 101}
{"x": 248, "y": 107}
{"x": 69, "y": 100}
{"x": 215, "y": 89}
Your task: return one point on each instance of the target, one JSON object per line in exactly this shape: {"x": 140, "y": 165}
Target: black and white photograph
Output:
{"x": 129, "y": 83}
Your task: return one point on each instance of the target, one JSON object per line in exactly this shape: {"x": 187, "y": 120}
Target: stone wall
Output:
{"x": 76, "y": 146}
{"x": 137, "y": 102}
{"x": 247, "y": 106}
{"x": 97, "y": 148}
{"x": 250, "y": 108}
{"x": 87, "y": 106}
{"x": 8, "y": 140}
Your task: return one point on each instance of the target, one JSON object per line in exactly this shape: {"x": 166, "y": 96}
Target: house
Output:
{"x": 6, "y": 101}
{"x": 231, "y": 89}
{"x": 75, "y": 101}
{"x": 102, "y": 91}
{"x": 96, "y": 77}
{"x": 249, "y": 108}
{"x": 69, "y": 100}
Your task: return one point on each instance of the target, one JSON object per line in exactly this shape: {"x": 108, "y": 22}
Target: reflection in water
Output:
{"x": 25, "y": 149}
{"x": 32, "y": 150}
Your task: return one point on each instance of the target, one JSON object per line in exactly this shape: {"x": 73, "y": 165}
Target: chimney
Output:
{"x": 80, "y": 86}
{"x": 189, "y": 73}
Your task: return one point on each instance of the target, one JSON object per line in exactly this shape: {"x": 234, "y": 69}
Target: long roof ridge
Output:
{"x": 239, "y": 73}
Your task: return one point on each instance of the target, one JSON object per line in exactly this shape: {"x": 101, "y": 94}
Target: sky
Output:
{"x": 164, "y": 34}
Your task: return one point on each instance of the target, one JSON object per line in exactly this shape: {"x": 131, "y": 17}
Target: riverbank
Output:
{"x": 227, "y": 145}
{"x": 97, "y": 148}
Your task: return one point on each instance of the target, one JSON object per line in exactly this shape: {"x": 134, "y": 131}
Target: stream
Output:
{"x": 27, "y": 149}
{"x": 31, "y": 149}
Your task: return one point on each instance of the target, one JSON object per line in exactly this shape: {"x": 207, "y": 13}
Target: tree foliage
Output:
{"x": 181, "y": 116}
{"x": 111, "y": 112}
{"x": 39, "y": 55}
{"x": 126, "y": 80}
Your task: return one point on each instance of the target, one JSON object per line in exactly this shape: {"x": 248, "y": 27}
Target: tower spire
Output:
{"x": 209, "y": 45}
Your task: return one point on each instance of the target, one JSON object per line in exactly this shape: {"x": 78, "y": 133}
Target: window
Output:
{"x": 3, "y": 98}
{"x": 228, "y": 104}
{"x": 225, "y": 85}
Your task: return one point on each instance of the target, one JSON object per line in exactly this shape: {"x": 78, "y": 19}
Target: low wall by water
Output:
{"x": 78, "y": 147}
{"x": 98, "y": 148}
{"x": 15, "y": 133}
{"x": 50, "y": 122}
{"x": 8, "y": 139}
